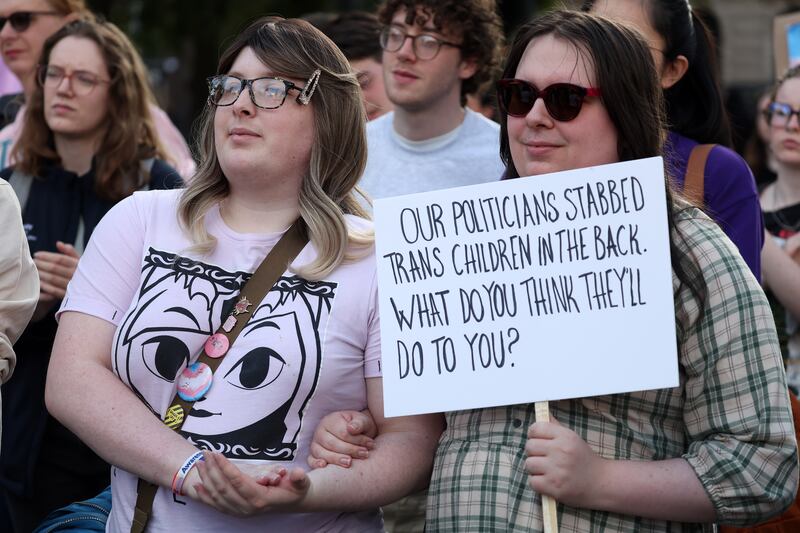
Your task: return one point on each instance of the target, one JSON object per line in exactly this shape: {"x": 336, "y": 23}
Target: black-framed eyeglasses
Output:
{"x": 82, "y": 82}
{"x": 780, "y": 114}
{"x": 563, "y": 101}
{"x": 425, "y": 46}
{"x": 267, "y": 92}
{"x": 21, "y": 20}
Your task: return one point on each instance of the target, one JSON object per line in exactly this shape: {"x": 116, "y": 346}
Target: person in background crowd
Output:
{"x": 757, "y": 152}
{"x": 356, "y": 33}
{"x": 27, "y": 24}
{"x": 19, "y": 283}
{"x": 780, "y": 201}
{"x": 685, "y": 60}
{"x": 149, "y": 291}
{"x": 641, "y": 461}
{"x": 435, "y": 53}
{"x": 19, "y": 291}
{"x": 88, "y": 141}
{"x": 10, "y": 87}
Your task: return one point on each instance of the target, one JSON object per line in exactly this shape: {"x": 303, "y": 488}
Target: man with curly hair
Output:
{"x": 435, "y": 52}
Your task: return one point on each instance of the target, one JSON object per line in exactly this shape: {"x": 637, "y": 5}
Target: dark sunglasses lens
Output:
{"x": 20, "y": 21}
{"x": 518, "y": 98}
{"x": 564, "y": 102}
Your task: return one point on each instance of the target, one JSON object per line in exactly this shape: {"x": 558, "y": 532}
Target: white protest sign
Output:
{"x": 542, "y": 288}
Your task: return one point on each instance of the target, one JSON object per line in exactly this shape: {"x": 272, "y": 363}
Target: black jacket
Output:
{"x": 56, "y": 203}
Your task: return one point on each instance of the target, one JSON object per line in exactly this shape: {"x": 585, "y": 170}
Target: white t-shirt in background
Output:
{"x": 468, "y": 155}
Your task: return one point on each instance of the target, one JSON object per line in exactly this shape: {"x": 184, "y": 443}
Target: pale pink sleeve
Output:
{"x": 178, "y": 152}
{"x": 372, "y": 350}
{"x": 108, "y": 272}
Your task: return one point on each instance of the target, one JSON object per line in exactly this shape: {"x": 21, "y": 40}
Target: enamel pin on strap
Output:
{"x": 240, "y": 308}
{"x": 196, "y": 380}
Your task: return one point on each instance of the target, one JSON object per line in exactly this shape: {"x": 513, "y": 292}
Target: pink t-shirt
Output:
{"x": 304, "y": 353}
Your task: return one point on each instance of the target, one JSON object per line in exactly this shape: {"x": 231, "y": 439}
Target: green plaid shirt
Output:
{"x": 729, "y": 418}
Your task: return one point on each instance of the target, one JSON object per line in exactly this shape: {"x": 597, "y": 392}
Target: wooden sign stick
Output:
{"x": 549, "y": 514}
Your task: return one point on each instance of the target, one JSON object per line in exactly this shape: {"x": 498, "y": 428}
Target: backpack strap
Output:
{"x": 21, "y": 183}
{"x": 694, "y": 179}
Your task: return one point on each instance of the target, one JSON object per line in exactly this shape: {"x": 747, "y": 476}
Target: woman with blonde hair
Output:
{"x": 87, "y": 142}
{"x": 162, "y": 302}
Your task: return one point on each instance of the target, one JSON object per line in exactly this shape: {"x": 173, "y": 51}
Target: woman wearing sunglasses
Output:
{"x": 88, "y": 141}
{"x": 581, "y": 91}
{"x": 165, "y": 270}
{"x": 686, "y": 63}
{"x": 24, "y": 26}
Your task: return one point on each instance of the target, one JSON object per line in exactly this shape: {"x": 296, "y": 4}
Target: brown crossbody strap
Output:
{"x": 694, "y": 180}
{"x": 256, "y": 288}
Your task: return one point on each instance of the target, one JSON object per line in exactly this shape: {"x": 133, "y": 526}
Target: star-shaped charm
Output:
{"x": 241, "y": 306}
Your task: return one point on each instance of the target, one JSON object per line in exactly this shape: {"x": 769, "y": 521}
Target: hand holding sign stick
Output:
{"x": 549, "y": 514}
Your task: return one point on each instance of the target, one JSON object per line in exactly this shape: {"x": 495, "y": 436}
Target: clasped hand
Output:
{"x": 220, "y": 484}
{"x": 55, "y": 271}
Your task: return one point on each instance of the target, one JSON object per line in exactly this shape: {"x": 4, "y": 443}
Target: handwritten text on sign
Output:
{"x": 543, "y": 288}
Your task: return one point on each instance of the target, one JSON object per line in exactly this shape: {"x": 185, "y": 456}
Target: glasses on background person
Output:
{"x": 425, "y": 46}
{"x": 82, "y": 82}
{"x": 21, "y": 20}
{"x": 563, "y": 101}
{"x": 779, "y": 114}
{"x": 266, "y": 93}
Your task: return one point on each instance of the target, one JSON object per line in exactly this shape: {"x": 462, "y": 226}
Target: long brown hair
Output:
{"x": 293, "y": 48}
{"x": 132, "y": 137}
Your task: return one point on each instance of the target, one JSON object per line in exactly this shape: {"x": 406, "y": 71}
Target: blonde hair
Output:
{"x": 293, "y": 48}
{"x": 131, "y": 136}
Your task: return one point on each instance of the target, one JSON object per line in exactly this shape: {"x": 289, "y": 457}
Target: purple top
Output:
{"x": 730, "y": 194}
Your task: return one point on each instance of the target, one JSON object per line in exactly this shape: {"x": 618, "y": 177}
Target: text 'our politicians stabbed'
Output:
{"x": 509, "y": 217}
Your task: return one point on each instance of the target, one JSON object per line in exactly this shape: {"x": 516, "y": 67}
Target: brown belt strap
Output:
{"x": 694, "y": 179}
{"x": 256, "y": 288}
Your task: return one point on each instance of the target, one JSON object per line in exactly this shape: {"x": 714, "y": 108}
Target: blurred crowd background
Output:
{"x": 181, "y": 39}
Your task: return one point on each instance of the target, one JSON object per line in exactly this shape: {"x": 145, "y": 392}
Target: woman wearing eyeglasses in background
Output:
{"x": 87, "y": 142}
{"x": 581, "y": 91}
{"x": 162, "y": 269}
{"x": 24, "y": 26}
{"x": 686, "y": 63}
{"x": 780, "y": 201}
